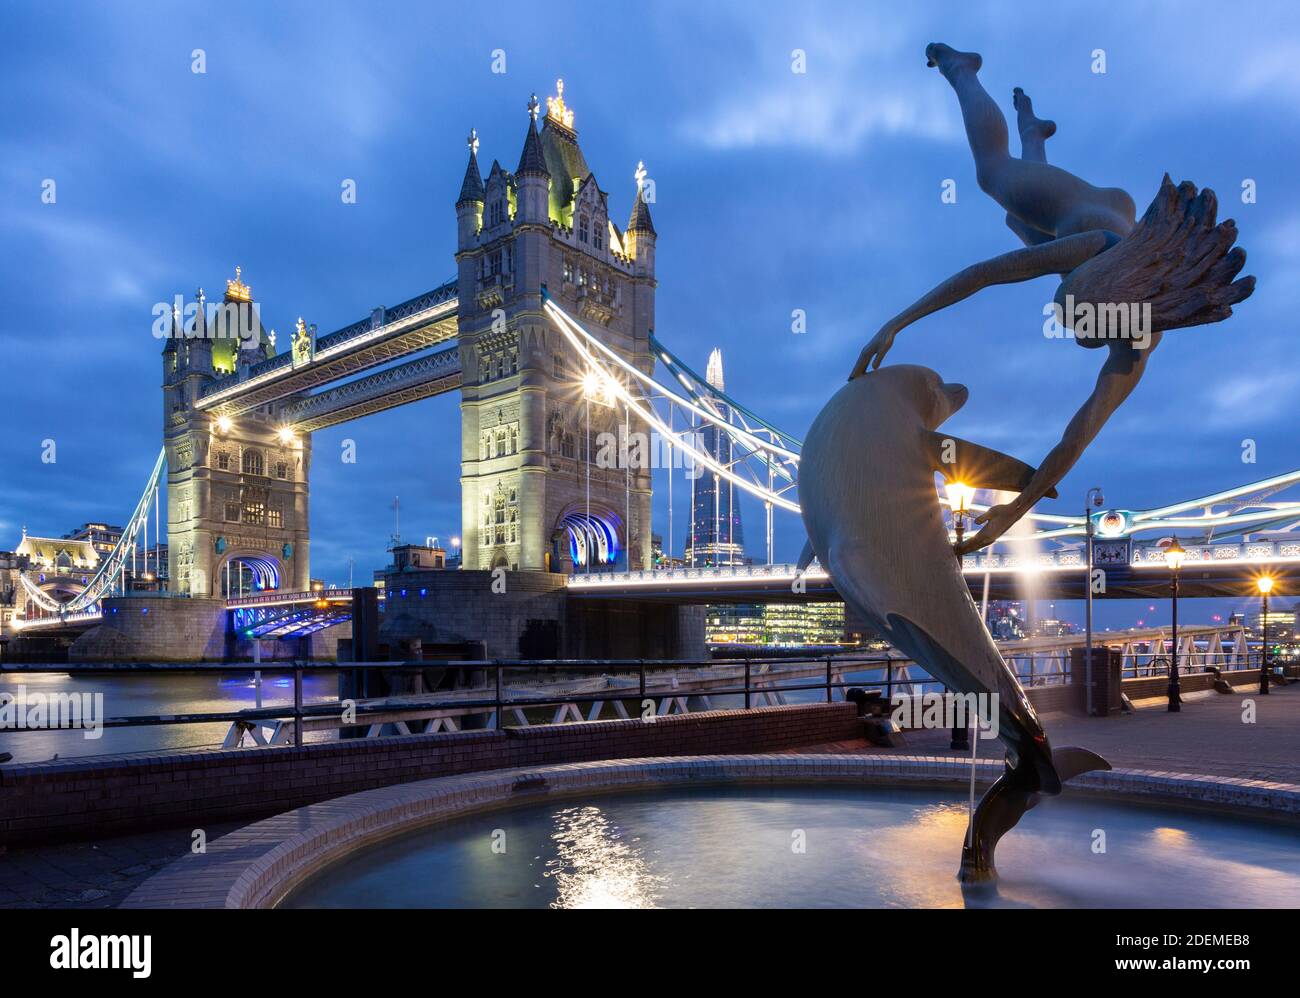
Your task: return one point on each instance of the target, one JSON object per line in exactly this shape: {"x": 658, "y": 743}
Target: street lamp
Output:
{"x": 1265, "y": 585}
{"x": 959, "y": 499}
{"x": 1093, "y": 498}
{"x": 1174, "y": 556}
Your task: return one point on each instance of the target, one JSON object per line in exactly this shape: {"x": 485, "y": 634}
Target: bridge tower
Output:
{"x": 539, "y": 489}
{"x": 237, "y": 485}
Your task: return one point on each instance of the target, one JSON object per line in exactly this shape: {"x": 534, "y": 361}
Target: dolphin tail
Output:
{"x": 1003, "y": 804}
{"x": 806, "y": 557}
{"x": 1071, "y": 761}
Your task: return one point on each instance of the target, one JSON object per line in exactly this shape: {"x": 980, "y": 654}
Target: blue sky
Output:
{"x": 776, "y": 191}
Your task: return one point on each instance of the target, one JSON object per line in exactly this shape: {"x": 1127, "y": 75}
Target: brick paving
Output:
{"x": 91, "y": 874}
{"x": 1208, "y": 736}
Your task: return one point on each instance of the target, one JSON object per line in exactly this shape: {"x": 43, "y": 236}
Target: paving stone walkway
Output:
{"x": 91, "y": 874}
{"x": 1207, "y": 736}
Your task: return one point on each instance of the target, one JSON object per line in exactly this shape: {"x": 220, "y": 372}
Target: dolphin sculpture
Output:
{"x": 867, "y": 492}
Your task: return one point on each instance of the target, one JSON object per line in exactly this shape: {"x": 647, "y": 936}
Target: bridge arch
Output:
{"x": 588, "y": 536}
{"x": 244, "y": 571}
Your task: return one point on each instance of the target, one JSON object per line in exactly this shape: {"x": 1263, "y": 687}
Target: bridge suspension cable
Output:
{"x": 773, "y": 456}
{"x": 110, "y": 577}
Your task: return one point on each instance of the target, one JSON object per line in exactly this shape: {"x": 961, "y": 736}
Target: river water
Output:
{"x": 151, "y": 693}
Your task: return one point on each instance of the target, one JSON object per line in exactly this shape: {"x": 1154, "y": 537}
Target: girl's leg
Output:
{"x": 1034, "y": 131}
{"x": 986, "y": 128}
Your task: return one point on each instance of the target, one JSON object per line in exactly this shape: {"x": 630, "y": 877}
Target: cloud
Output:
{"x": 824, "y": 115}
{"x": 1262, "y": 396}
{"x": 854, "y": 88}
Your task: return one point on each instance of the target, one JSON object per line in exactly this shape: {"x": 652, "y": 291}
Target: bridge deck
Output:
{"x": 422, "y": 322}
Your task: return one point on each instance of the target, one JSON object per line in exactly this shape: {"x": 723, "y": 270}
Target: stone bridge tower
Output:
{"x": 237, "y": 487}
{"x": 526, "y": 467}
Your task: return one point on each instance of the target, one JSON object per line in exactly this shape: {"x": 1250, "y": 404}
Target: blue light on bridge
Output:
{"x": 593, "y": 538}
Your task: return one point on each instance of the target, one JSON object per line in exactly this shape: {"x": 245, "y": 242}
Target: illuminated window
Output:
{"x": 275, "y": 516}
{"x": 254, "y": 511}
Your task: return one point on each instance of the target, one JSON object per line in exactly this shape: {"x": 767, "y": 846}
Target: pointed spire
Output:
{"x": 177, "y": 331}
{"x": 640, "y": 220}
{"x": 531, "y": 161}
{"x": 472, "y": 188}
{"x": 713, "y": 373}
{"x": 200, "y": 328}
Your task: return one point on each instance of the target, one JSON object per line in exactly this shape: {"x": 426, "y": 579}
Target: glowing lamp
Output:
{"x": 1265, "y": 584}
{"x": 1175, "y": 555}
{"x": 286, "y": 434}
{"x": 223, "y": 424}
{"x": 960, "y": 496}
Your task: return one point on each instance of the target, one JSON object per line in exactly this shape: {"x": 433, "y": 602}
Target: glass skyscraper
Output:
{"x": 716, "y": 536}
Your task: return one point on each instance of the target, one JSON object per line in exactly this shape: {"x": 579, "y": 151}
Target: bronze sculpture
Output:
{"x": 866, "y": 481}
{"x": 1177, "y": 263}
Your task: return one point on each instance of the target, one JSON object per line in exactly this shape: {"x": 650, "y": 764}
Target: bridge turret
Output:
{"x": 469, "y": 206}
{"x": 641, "y": 235}
{"x": 532, "y": 178}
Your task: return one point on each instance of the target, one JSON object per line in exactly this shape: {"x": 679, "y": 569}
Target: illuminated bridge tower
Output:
{"x": 532, "y": 494}
{"x": 237, "y": 485}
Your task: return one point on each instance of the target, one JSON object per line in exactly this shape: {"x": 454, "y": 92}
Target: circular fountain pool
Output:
{"x": 806, "y": 846}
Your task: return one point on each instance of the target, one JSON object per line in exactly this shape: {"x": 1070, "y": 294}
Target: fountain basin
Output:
{"x": 862, "y": 811}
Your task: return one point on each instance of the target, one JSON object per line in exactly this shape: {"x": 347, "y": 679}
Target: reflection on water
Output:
{"x": 736, "y": 846}
{"x": 154, "y": 693}
{"x": 593, "y": 867}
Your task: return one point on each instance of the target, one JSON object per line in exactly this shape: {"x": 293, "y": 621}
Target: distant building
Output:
{"x": 1050, "y": 627}
{"x": 658, "y": 558}
{"x": 1007, "y": 620}
{"x": 418, "y": 557}
{"x": 715, "y": 537}
{"x": 10, "y": 590}
{"x": 776, "y": 625}
{"x": 1281, "y": 623}
{"x": 102, "y": 536}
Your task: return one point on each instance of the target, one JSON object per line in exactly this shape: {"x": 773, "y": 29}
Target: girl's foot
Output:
{"x": 1032, "y": 129}
{"x": 949, "y": 60}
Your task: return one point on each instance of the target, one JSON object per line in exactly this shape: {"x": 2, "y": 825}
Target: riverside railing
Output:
{"x": 752, "y": 680}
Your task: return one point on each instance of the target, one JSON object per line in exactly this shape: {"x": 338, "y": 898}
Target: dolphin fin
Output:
{"x": 806, "y": 557}
{"x": 978, "y": 466}
{"x": 1071, "y": 761}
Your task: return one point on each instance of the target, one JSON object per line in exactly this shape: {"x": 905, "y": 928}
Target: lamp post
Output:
{"x": 959, "y": 497}
{"x": 1265, "y": 585}
{"x": 1174, "y": 555}
{"x": 1093, "y": 498}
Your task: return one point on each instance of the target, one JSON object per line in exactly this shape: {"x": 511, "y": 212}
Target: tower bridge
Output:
{"x": 547, "y": 331}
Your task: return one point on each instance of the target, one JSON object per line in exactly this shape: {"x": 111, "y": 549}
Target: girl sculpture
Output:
{"x": 1176, "y": 264}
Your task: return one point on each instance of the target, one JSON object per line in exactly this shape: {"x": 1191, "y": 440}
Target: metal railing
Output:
{"x": 656, "y": 680}
{"x": 754, "y": 679}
